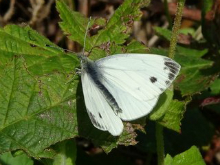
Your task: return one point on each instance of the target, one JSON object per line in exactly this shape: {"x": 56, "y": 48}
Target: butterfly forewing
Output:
{"x": 136, "y": 81}
{"x": 143, "y": 76}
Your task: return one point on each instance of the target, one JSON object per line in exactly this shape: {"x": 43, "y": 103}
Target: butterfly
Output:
{"x": 124, "y": 87}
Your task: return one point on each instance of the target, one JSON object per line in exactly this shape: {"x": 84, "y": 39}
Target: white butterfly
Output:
{"x": 124, "y": 87}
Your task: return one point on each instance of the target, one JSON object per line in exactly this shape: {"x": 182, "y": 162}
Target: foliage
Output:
{"x": 42, "y": 106}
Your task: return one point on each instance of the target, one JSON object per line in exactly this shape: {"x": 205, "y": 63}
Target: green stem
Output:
{"x": 160, "y": 144}
{"x": 167, "y": 13}
{"x": 172, "y": 49}
{"x": 176, "y": 27}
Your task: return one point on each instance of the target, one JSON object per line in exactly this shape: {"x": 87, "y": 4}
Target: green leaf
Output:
{"x": 191, "y": 52}
{"x": 162, "y": 105}
{"x": 66, "y": 153}
{"x": 215, "y": 87}
{"x": 74, "y": 24}
{"x": 38, "y": 106}
{"x": 114, "y": 33}
{"x": 189, "y": 157}
{"x": 136, "y": 47}
{"x": 193, "y": 72}
{"x": 173, "y": 116}
{"x": 35, "y": 113}
{"x": 119, "y": 25}
{"x": 162, "y": 32}
{"x": 168, "y": 112}
{"x": 22, "y": 159}
{"x": 39, "y": 58}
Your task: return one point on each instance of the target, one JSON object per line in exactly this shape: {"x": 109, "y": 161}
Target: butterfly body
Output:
{"x": 90, "y": 67}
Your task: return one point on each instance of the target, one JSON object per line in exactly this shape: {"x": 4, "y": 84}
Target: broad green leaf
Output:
{"x": 173, "y": 116}
{"x": 38, "y": 105}
{"x": 162, "y": 32}
{"x": 193, "y": 71}
{"x": 74, "y": 24}
{"x": 215, "y": 87}
{"x": 191, "y": 52}
{"x": 38, "y": 112}
{"x": 22, "y": 159}
{"x": 136, "y": 47}
{"x": 181, "y": 51}
{"x": 119, "y": 26}
{"x": 166, "y": 33}
{"x": 112, "y": 49}
{"x": 66, "y": 153}
{"x": 188, "y": 31}
{"x": 35, "y": 112}
{"x": 114, "y": 32}
{"x": 189, "y": 157}
{"x": 168, "y": 112}
{"x": 28, "y": 44}
{"x": 162, "y": 105}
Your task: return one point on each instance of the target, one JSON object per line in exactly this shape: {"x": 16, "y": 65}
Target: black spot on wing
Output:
{"x": 173, "y": 68}
{"x": 171, "y": 65}
{"x": 167, "y": 82}
{"x": 174, "y": 71}
{"x": 171, "y": 76}
{"x": 171, "y": 61}
{"x": 153, "y": 79}
{"x": 100, "y": 115}
{"x": 118, "y": 111}
{"x": 165, "y": 68}
{"x": 162, "y": 89}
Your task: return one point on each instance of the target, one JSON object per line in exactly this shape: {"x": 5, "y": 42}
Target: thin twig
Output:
{"x": 10, "y": 11}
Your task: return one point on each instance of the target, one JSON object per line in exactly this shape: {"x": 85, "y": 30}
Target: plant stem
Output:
{"x": 176, "y": 26}
{"x": 173, "y": 42}
{"x": 160, "y": 144}
{"x": 167, "y": 13}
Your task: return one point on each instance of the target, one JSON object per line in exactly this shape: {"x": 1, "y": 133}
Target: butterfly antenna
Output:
{"x": 87, "y": 29}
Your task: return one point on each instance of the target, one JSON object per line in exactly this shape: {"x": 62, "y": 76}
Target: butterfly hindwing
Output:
{"x": 99, "y": 111}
